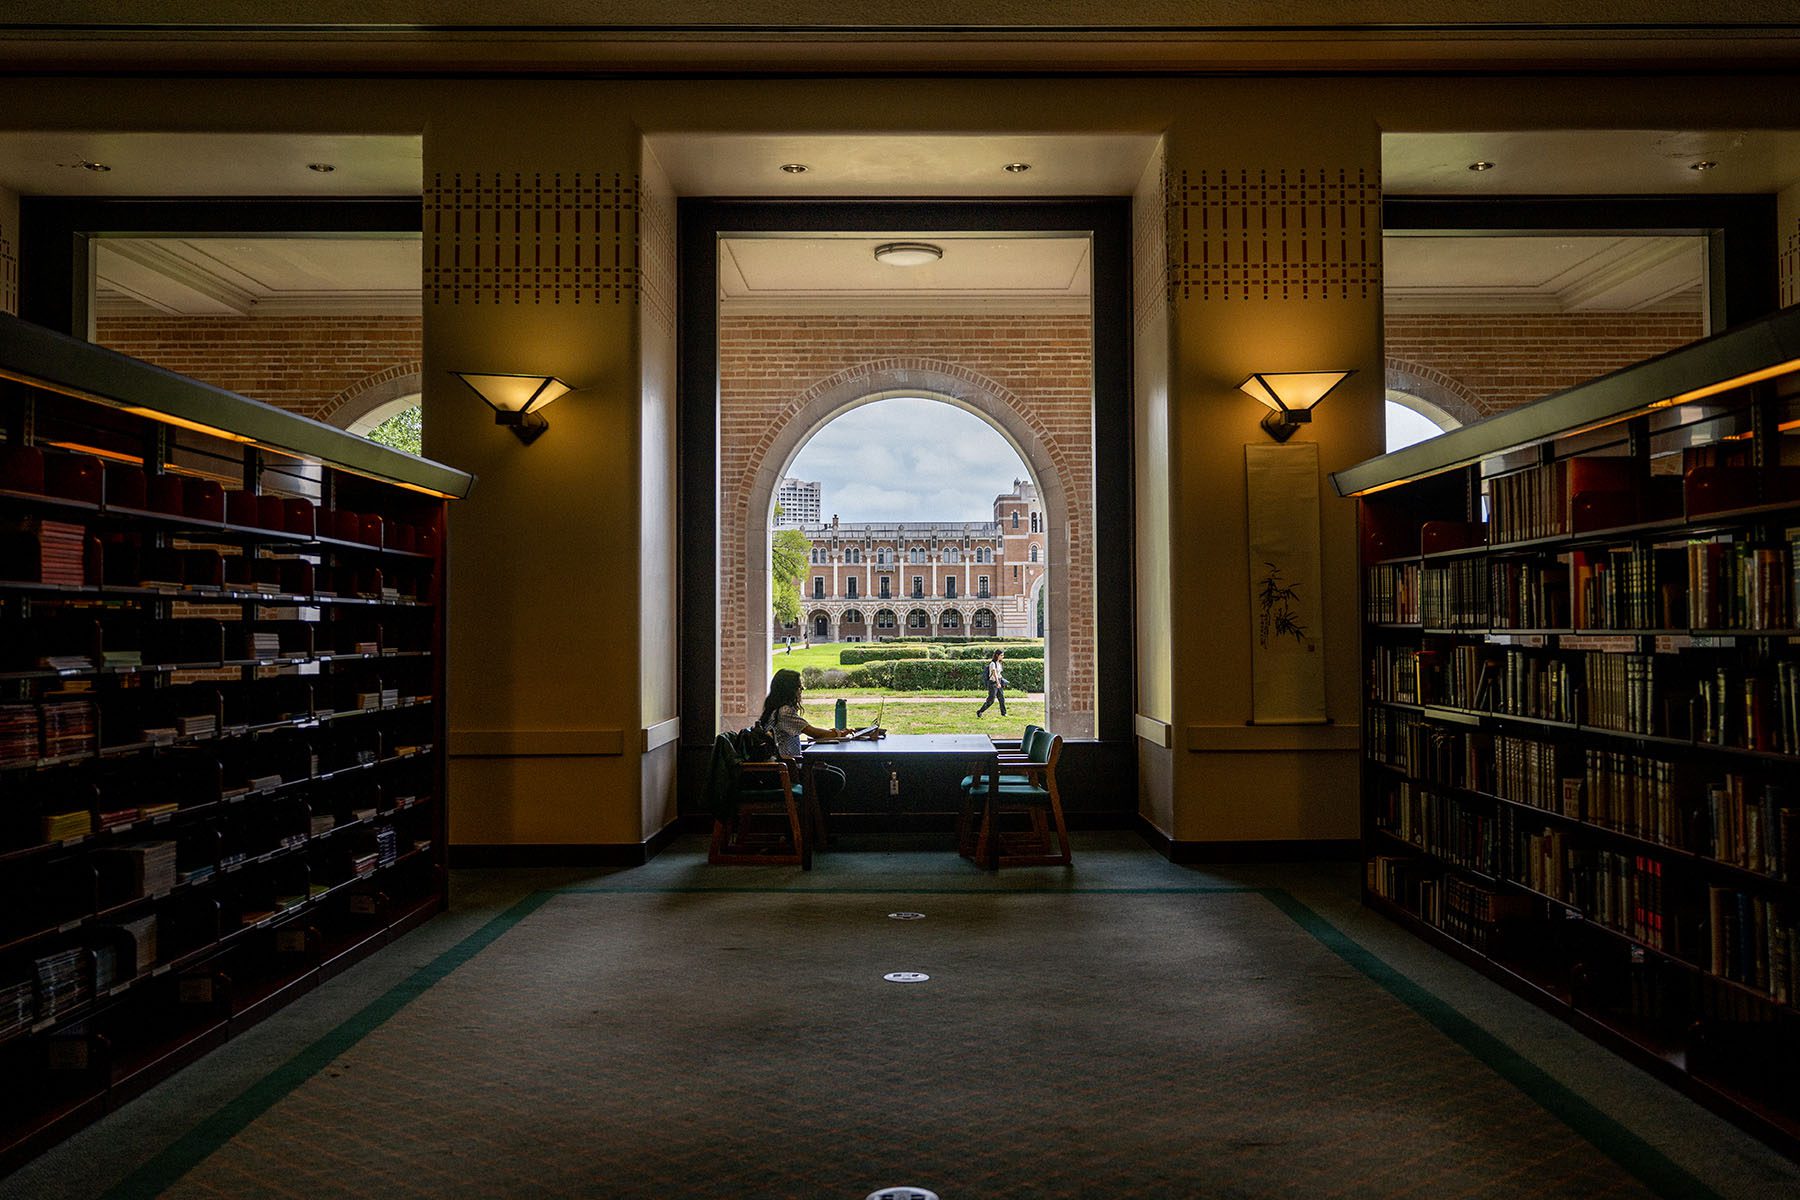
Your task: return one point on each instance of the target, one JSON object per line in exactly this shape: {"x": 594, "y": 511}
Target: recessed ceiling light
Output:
{"x": 794, "y": 168}
{"x": 88, "y": 164}
{"x": 1481, "y": 165}
{"x": 1016, "y": 168}
{"x": 1705, "y": 164}
{"x": 908, "y": 254}
{"x": 321, "y": 168}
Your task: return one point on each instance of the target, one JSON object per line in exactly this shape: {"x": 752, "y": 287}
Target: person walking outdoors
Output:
{"x": 996, "y": 683}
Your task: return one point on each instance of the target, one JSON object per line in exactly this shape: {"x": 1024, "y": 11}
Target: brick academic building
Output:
{"x": 871, "y": 581}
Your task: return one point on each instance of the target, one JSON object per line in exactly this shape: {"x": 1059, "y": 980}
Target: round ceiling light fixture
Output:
{"x": 1705, "y": 164}
{"x": 1016, "y": 168}
{"x": 1481, "y": 164}
{"x": 794, "y": 168}
{"x": 88, "y": 164}
{"x": 321, "y": 168}
{"x": 908, "y": 254}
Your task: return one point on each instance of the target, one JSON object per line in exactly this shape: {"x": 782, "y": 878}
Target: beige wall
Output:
{"x": 557, "y": 662}
{"x": 659, "y": 610}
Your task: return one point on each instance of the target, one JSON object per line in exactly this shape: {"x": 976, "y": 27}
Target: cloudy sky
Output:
{"x": 909, "y": 460}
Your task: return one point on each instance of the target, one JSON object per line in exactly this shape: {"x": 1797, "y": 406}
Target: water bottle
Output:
{"x": 841, "y": 715}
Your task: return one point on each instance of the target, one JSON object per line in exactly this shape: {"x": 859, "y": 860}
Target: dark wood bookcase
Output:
{"x": 1581, "y": 726}
{"x": 221, "y": 718}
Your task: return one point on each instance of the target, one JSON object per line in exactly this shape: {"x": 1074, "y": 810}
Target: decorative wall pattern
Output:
{"x": 656, "y": 254}
{"x": 1790, "y": 266}
{"x": 1150, "y": 252}
{"x": 531, "y": 237}
{"x": 1274, "y": 234}
{"x": 9, "y": 273}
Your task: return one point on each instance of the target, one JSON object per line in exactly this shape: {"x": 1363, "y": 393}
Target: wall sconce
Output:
{"x": 517, "y": 400}
{"x": 1290, "y": 397}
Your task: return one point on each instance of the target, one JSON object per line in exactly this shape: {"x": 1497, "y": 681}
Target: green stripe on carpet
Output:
{"x": 193, "y": 1147}
{"x": 1612, "y": 1139}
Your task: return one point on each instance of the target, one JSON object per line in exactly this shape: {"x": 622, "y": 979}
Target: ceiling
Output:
{"x": 237, "y": 277}
{"x": 1597, "y": 162}
{"x": 840, "y": 273}
{"x": 1429, "y": 273}
{"x": 210, "y": 164}
{"x": 700, "y": 164}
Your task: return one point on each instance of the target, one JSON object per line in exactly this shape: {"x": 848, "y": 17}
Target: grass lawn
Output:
{"x": 955, "y": 717}
{"x": 951, "y": 710}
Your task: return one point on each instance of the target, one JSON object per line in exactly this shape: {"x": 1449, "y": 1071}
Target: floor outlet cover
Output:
{"x": 906, "y": 977}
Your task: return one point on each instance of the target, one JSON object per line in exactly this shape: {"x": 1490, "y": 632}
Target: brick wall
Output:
{"x": 1498, "y": 360}
{"x": 1043, "y": 363}
{"x": 309, "y": 365}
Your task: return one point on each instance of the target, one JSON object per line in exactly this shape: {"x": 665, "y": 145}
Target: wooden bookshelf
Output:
{"x": 221, "y": 718}
{"x": 1581, "y": 726}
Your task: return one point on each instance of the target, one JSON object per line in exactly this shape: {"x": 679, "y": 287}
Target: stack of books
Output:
{"x": 69, "y": 728}
{"x": 119, "y": 659}
{"x": 142, "y": 933}
{"x": 390, "y": 697}
{"x": 18, "y": 733}
{"x": 65, "y": 662}
{"x": 364, "y": 864}
{"x": 62, "y": 553}
{"x": 368, "y": 699}
{"x": 322, "y": 823}
{"x": 263, "y": 643}
{"x": 61, "y": 827}
{"x": 106, "y": 967}
{"x": 196, "y": 727}
{"x": 62, "y": 982}
{"x": 113, "y": 818}
{"x": 17, "y": 1009}
{"x": 149, "y": 866}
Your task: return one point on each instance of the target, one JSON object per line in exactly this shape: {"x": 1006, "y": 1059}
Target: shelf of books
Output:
{"x": 221, "y": 717}
{"x": 1581, "y": 729}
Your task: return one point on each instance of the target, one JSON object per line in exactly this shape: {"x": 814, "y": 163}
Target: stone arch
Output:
{"x": 1447, "y": 396}
{"x": 371, "y": 392}
{"x": 1057, "y": 478}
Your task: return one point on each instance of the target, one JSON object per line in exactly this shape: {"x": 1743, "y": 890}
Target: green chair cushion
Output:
{"x": 968, "y": 781}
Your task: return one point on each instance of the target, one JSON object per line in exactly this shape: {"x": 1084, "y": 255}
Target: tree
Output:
{"x": 401, "y": 431}
{"x": 789, "y": 550}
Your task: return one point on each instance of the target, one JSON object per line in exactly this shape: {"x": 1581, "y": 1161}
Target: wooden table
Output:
{"x": 975, "y": 749}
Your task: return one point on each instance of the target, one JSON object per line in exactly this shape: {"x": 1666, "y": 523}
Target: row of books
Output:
{"x": 52, "y": 729}
{"x": 1445, "y": 826}
{"x": 1429, "y": 751}
{"x": 1454, "y": 595}
{"x": 1627, "y": 894}
{"x": 1543, "y": 501}
{"x": 1525, "y": 772}
{"x": 1755, "y": 942}
{"x": 1392, "y": 596}
{"x": 1621, "y": 692}
{"x": 1756, "y": 709}
{"x": 1754, "y": 827}
{"x": 84, "y": 477}
{"x": 1713, "y": 583}
{"x": 1636, "y": 794}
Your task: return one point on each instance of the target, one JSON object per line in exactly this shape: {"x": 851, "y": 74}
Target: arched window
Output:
{"x": 952, "y": 620}
{"x": 1034, "y": 552}
{"x": 1034, "y": 523}
{"x": 916, "y": 554}
{"x": 852, "y": 617}
{"x": 983, "y": 619}
{"x": 853, "y": 554}
{"x": 984, "y": 554}
{"x": 953, "y": 554}
{"x": 1411, "y": 420}
{"x": 1015, "y": 520}
{"x": 918, "y": 618}
{"x": 884, "y": 618}
{"x": 884, "y": 556}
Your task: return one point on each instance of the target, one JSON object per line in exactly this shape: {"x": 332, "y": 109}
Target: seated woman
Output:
{"x": 781, "y": 716}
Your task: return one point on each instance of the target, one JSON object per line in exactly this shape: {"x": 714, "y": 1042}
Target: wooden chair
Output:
{"x": 756, "y": 811}
{"x": 1038, "y": 799}
{"x": 1011, "y": 764}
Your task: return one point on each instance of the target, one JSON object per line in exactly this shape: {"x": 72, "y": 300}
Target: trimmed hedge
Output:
{"x": 1013, "y": 653}
{"x": 817, "y": 677}
{"x": 850, "y": 656}
{"x": 923, "y": 675}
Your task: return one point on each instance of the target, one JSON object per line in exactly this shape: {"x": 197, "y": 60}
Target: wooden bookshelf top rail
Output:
{"x": 1764, "y": 349}
{"x": 42, "y": 358}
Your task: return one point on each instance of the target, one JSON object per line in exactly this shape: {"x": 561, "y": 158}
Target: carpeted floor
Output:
{"x": 1125, "y": 1029}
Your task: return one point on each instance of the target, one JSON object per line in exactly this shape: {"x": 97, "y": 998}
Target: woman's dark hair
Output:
{"x": 996, "y": 654}
{"x": 784, "y": 690}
